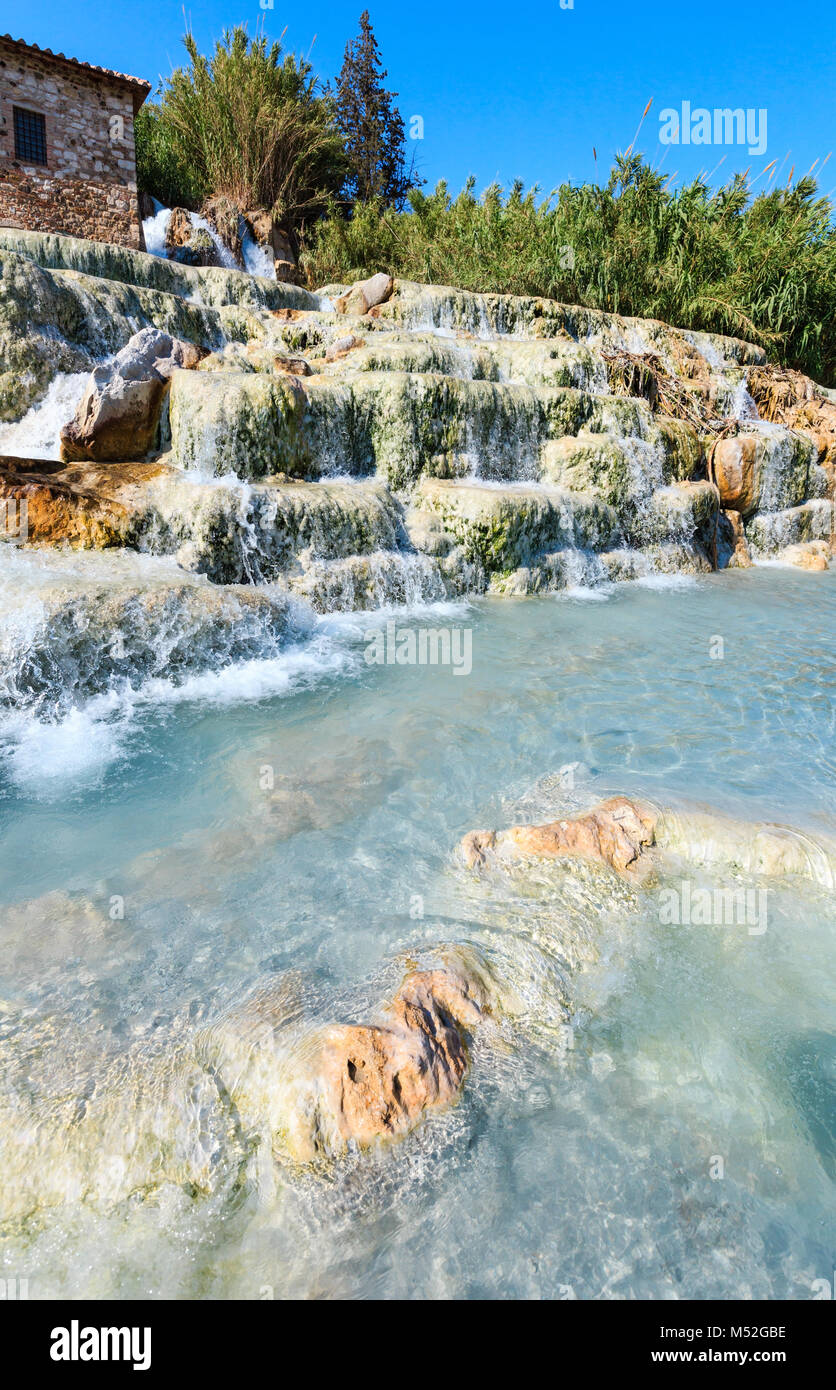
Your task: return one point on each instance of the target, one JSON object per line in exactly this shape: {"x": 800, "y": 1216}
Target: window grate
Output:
{"x": 30, "y": 136}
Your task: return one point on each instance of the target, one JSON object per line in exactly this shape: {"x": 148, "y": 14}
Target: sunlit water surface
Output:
{"x": 312, "y": 831}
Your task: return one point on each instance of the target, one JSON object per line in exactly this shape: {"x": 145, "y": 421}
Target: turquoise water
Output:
{"x": 294, "y": 822}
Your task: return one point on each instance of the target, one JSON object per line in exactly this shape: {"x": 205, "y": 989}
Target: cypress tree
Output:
{"x": 371, "y": 124}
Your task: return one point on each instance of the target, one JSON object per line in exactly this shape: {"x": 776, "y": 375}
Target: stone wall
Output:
{"x": 88, "y": 186}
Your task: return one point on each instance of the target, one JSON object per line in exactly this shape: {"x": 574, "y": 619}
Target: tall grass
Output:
{"x": 760, "y": 267}
{"x": 250, "y": 123}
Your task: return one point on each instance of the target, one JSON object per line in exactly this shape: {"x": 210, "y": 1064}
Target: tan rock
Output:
{"x": 366, "y": 295}
{"x": 179, "y": 230}
{"x": 787, "y": 397}
{"x": 77, "y": 505}
{"x": 618, "y": 832}
{"x": 119, "y": 415}
{"x": 377, "y": 1081}
{"x": 342, "y": 347}
{"x": 188, "y": 244}
{"x": 293, "y": 366}
{"x": 740, "y": 556}
{"x": 735, "y": 473}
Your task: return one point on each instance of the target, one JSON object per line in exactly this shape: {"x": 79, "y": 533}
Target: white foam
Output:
{"x": 46, "y": 758}
{"x": 37, "y": 435}
{"x": 154, "y": 230}
{"x": 584, "y": 594}
{"x": 247, "y": 681}
{"x": 666, "y": 581}
{"x": 50, "y": 758}
{"x": 224, "y": 254}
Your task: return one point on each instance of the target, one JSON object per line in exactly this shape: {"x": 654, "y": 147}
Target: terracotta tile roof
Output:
{"x": 140, "y": 86}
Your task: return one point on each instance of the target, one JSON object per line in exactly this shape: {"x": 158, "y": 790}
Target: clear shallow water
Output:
{"x": 562, "y": 1171}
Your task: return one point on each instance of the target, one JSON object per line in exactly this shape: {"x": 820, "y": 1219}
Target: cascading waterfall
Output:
{"x": 481, "y": 409}
{"x": 257, "y": 260}
{"x": 155, "y": 228}
{"x": 37, "y": 435}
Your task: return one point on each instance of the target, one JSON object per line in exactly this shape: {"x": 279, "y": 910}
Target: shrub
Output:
{"x": 249, "y": 123}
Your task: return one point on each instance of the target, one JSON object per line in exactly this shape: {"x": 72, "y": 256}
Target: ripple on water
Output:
{"x": 311, "y": 837}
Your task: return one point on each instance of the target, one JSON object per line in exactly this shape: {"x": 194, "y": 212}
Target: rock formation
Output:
{"x": 619, "y": 832}
{"x": 522, "y": 445}
{"x": 633, "y": 838}
{"x": 366, "y": 295}
{"x": 789, "y": 398}
{"x": 376, "y": 1081}
{"x": 187, "y": 244}
{"x": 119, "y": 415}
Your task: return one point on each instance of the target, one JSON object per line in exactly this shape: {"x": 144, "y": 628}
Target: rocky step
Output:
{"x": 768, "y": 533}
{"x": 500, "y": 529}
{"x": 380, "y": 580}
{"x": 447, "y": 309}
{"x": 210, "y": 286}
{"x": 537, "y": 363}
{"x": 76, "y": 626}
{"x": 233, "y": 533}
{"x": 400, "y": 424}
{"x": 64, "y": 321}
{"x": 527, "y": 363}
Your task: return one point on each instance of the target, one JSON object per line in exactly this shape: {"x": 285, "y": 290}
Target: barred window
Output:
{"x": 30, "y": 136}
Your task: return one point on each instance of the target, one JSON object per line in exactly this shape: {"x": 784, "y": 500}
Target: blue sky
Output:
{"x": 527, "y": 90}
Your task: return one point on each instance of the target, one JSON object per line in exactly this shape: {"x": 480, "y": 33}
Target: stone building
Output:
{"x": 67, "y": 155}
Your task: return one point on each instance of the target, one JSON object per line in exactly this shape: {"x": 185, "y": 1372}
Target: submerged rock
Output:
{"x": 632, "y": 837}
{"x": 322, "y": 1089}
{"x": 119, "y": 415}
{"x": 377, "y": 1081}
{"x": 712, "y": 841}
{"x": 812, "y": 555}
{"x": 618, "y": 832}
